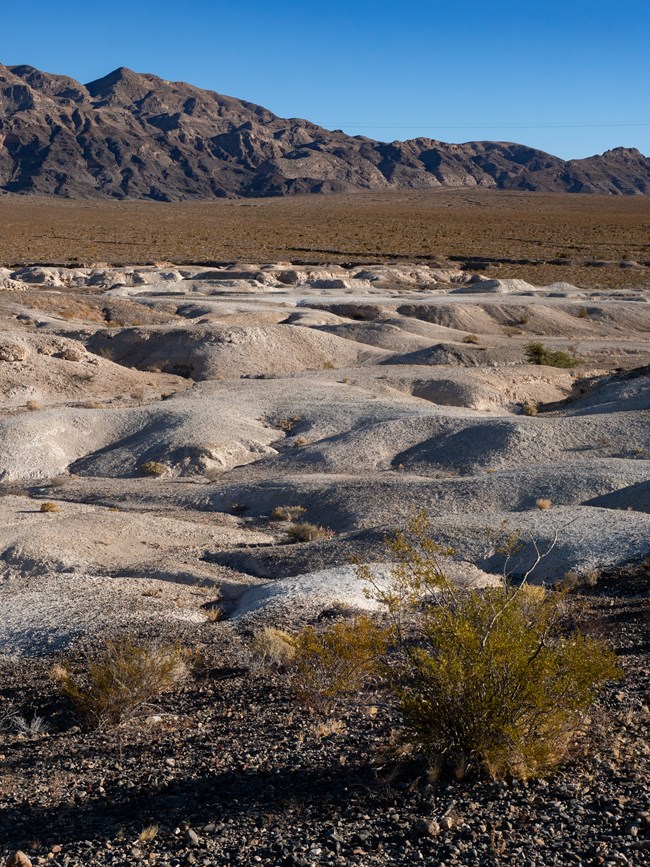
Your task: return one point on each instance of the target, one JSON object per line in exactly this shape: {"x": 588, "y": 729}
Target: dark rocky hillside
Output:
{"x": 131, "y": 135}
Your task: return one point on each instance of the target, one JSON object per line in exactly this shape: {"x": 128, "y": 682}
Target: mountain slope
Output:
{"x": 131, "y": 135}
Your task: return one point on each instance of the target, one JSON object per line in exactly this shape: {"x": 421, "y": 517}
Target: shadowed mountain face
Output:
{"x": 131, "y": 135}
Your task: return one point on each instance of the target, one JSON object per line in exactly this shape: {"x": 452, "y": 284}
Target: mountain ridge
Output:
{"x": 135, "y": 135}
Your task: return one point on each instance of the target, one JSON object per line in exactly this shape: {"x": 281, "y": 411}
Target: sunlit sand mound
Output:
{"x": 101, "y": 541}
{"x": 51, "y": 369}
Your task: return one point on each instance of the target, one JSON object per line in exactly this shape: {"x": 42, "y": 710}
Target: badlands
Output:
{"x": 175, "y": 416}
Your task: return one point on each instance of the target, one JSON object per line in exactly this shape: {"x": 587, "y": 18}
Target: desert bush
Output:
{"x": 273, "y": 648}
{"x": 152, "y": 468}
{"x": 125, "y": 677}
{"x": 213, "y": 611}
{"x": 50, "y": 507}
{"x": 543, "y": 503}
{"x": 487, "y": 681}
{"x": 287, "y": 513}
{"x": 338, "y": 660}
{"x": 470, "y": 338}
{"x": 493, "y": 685}
{"x": 530, "y": 407}
{"x": 33, "y": 405}
{"x": 288, "y": 423}
{"x": 304, "y": 532}
{"x": 537, "y": 353}
{"x": 575, "y": 579}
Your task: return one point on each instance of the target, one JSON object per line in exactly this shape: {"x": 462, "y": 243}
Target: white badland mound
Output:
{"x": 358, "y": 395}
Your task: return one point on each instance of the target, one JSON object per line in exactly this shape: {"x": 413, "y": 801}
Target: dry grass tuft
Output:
{"x": 50, "y": 507}
{"x": 304, "y": 532}
{"x": 543, "y": 504}
{"x": 287, "y": 513}
{"x": 530, "y": 407}
{"x": 213, "y": 611}
{"x": 273, "y": 648}
{"x": 148, "y": 834}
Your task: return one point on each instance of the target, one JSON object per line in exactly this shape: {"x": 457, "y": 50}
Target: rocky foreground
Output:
{"x": 165, "y": 434}
{"x": 233, "y": 771}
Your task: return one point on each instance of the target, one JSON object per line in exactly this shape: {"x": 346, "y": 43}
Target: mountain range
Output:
{"x": 131, "y": 135}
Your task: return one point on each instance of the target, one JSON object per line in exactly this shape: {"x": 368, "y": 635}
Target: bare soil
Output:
{"x": 556, "y": 234}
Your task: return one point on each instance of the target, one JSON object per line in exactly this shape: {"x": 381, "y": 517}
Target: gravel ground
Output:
{"x": 232, "y": 771}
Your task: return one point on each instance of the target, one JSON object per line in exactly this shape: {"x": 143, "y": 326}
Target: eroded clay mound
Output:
{"x": 225, "y": 351}
{"x": 46, "y": 369}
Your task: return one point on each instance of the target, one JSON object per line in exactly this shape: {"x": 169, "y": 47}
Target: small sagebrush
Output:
{"x": 152, "y": 468}
{"x": 50, "y": 507}
{"x": 537, "y": 353}
{"x": 304, "y": 532}
{"x": 125, "y": 677}
{"x": 287, "y": 513}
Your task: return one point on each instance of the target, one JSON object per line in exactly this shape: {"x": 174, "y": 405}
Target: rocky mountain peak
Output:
{"x": 134, "y": 135}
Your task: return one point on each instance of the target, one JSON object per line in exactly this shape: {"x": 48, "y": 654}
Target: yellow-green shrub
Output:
{"x": 492, "y": 683}
{"x": 152, "y": 468}
{"x": 537, "y": 353}
{"x": 124, "y": 677}
{"x": 304, "y": 532}
{"x": 487, "y": 680}
{"x": 337, "y": 660}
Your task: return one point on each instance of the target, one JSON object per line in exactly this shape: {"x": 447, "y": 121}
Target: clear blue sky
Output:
{"x": 569, "y": 77}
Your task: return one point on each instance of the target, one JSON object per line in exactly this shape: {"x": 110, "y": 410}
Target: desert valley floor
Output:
{"x": 175, "y": 415}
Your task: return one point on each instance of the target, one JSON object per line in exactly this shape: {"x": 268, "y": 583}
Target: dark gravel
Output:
{"x": 233, "y": 771}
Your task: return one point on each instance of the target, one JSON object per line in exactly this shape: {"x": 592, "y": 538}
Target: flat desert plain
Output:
{"x": 211, "y": 412}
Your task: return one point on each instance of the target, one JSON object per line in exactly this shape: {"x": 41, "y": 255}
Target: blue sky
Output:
{"x": 569, "y": 77}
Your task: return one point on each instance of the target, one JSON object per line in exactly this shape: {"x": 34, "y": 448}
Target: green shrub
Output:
{"x": 337, "y": 660}
{"x": 493, "y": 685}
{"x": 125, "y": 677}
{"x": 487, "y": 681}
{"x": 537, "y": 353}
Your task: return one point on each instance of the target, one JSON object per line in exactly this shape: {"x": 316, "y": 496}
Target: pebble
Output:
{"x": 18, "y": 859}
